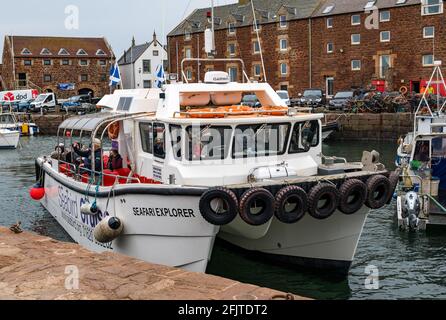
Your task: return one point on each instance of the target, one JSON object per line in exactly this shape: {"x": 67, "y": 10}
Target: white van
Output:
{"x": 44, "y": 102}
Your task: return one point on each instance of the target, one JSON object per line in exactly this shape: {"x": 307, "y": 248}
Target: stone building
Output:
{"x": 139, "y": 63}
{"x": 329, "y": 44}
{"x": 65, "y": 66}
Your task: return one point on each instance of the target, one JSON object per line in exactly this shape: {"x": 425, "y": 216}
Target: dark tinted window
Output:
{"x": 159, "y": 140}
{"x": 146, "y": 132}
{"x": 207, "y": 142}
{"x": 175, "y": 137}
{"x": 305, "y": 135}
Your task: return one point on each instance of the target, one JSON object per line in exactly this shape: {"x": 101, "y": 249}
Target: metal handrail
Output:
{"x": 183, "y": 75}
{"x": 225, "y": 113}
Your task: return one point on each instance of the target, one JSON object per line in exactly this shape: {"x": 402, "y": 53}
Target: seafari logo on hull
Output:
{"x": 164, "y": 212}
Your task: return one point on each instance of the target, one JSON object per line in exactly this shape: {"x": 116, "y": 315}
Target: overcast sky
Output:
{"x": 117, "y": 20}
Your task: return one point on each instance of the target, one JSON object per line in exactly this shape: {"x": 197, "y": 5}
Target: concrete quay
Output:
{"x": 33, "y": 267}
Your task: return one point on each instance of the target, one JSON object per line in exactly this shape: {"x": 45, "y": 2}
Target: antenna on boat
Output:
{"x": 437, "y": 74}
{"x": 258, "y": 39}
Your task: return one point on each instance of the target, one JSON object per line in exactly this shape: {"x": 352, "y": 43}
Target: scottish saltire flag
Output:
{"x": 115, "y": 75}
{"x": 160, "y": 77}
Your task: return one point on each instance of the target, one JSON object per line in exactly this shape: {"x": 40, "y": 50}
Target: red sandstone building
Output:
{"x": 329, "y": 44}
{"x": 65, "y": 66}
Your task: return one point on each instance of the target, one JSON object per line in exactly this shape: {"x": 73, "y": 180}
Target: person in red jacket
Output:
{"x": 115, "y": 160}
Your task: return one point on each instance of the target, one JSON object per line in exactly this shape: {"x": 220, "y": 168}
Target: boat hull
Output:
{"x": 167, "y": 230}
{"x": 9, "y": 139}
{"x": 310, "y": 243}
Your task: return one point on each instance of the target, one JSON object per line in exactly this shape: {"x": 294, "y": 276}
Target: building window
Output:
{"x": 385, "y": 36}
{"x": 256, "y": 25}
{"x": 47, "y": 62}
{"x": 27, "y": 62}
{"x": 100, "y": 52}
{"x": 156, "y": 53}
{"x": 26, "y": 51}
{"x": 231, "y": 28}
{"x": 83, "y": 62}
{"x": 429, "y": 32}
{"x": 45, "y": 52}
{"x": 283, "y": 44}
{"x": 188, "y": 53}
{"x": 328, "y": 9}
{"x": 384, "y": 65}
{"x": 384, "y": 16}
{"x": 81, "y": 52}
{"x": 329, "y": 23}
{"x": 257, "y": 70}
{"x": 231, "y": 49}
{"x": 146, "y": 66}
{"x": 428, "y": 60}
{"x": 369, "y": 5}
{"x": 65, "y": 62}
{"x": 189, "y": 74}
{"x": 84, "y": 77}
{"x": 282, "y": 21}
{"x": 147, "y": 84}
{"x": 103, "y": 77}
{"x": 283, "y": 69}
{"x": 102, "y": 62}
{"x": 256, "y": 46}
{"x": 429, "y": 7}
{"x": 187, "y": 35}
{"x": 47, "y": 78}
{"x": 356, "y": 65}
{"x": 356, "y": 39}
{"x": 356, "y": 19}
{"x": 233, "y": 71}
{"x": 63, "y": 52}
{"x": 330, "y": 47}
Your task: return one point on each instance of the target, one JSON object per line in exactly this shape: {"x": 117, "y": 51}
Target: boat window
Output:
{"x": 7, "y": 119}
{"x": 260, "y": 140}
{"x": 207, "y": 142}
{"x": 438, "y": 147}
{"x": 146, "y": 137}
{"x": 159, "y": 140}
{"x": 305, "y": 136}
{"x": 175, "y": 137}
{"x": 422, "y": 151}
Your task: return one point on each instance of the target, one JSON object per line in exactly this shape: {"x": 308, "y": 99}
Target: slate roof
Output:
{"x": 133, "y": 53}
{"x": 266, "y": 12}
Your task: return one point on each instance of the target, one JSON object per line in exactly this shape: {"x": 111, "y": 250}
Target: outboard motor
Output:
{"x": 411, "y": 210}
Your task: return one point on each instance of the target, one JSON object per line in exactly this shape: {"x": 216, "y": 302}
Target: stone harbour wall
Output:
{"x": 381, "y": 127}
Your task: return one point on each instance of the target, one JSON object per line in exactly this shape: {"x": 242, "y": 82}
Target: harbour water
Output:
{"x": 409, "y": 265}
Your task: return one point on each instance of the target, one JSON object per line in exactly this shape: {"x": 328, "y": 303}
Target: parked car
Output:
{"x": 283, "y": 94}
{"x": 312, "y": 98}
{"x": 340, "y": 100}
{"x": 25, "y": 106}
{"x": 75, "y": 103}
{"x": 44, "y": 102}
{"x": 251, "y": 100}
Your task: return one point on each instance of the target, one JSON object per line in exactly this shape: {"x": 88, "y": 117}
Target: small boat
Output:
{"x": 200, "y": 165}
{"x": 421, "y": 159}
{"x": 26, "y": 124}
{"x": 9, "y": 131}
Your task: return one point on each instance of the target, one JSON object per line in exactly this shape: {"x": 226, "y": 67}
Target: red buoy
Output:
{"x": 37, "y": 193}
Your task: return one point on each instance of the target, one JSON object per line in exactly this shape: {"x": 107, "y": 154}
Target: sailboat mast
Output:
{"x": 212, "y": 25}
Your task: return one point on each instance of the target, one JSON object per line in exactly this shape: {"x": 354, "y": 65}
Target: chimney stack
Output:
{"x": 154, "y": 38}
{"x": 133, "y": 41}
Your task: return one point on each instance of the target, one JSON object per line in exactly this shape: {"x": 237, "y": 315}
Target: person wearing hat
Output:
{"x": 86, "y": 154}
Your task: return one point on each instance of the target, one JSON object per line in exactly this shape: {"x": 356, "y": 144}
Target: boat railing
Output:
{"x": 197, "y": 114}
{"x": 77, "y": 171}
{"x": 198, "y": 60}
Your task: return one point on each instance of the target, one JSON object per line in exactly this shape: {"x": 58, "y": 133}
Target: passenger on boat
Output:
{"x": 159, "y": 146}
{"x": 62, "y": 154}
{"x": 422, "y": 154}
{"x": 114, "y": 161}
{"x": 86, "y": 161}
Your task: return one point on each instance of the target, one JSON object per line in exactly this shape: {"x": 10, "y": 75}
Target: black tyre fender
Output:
{"x": 216, "y": 218}
{"x": 323, "y": 191}
{"x": 352, "y": 188}
{"x": 394, "y": 178}
{"x": 283, "y": 197}
{"x": 378, "y": 190}
{"x": 249, "y": 198}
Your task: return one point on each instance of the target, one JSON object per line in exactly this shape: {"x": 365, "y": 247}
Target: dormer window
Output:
{"x": 45, "y": 52}
{"x": 282, "y": 21}
{"x": 63, "y": 52}
{"x": 26, "y": 51}
{"x": 328, "y": 9}
{"x": 429, "y": 7}
{"x": 100, "y": 52}
{"x": 81, "y": 52}
{"x": 187, "y": 35}
{"x": 369, "y": 5}
{"x": 231, "y": 28}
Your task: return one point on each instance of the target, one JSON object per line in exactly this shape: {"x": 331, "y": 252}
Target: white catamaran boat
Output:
{"x": 421, "y": 195}
{"x": 197, "y": 165}
{"x": 9, "y": 131}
